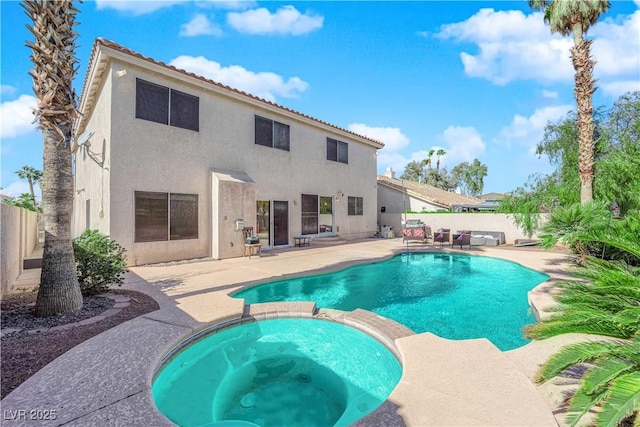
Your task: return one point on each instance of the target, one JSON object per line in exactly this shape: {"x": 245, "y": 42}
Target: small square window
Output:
{"x": 337, "y": 151}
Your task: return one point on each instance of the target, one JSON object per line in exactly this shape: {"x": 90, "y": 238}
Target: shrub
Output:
{"x": 101, "y": 262}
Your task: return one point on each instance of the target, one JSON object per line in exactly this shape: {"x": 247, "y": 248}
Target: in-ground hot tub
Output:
{"x": 281, "y": 372}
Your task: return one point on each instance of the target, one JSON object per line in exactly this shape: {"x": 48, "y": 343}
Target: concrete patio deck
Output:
{"x": 106, "y": 380}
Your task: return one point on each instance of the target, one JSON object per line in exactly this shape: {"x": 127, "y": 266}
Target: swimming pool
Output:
{"x": 280, "y": 372}
{"x": 454, "y": 296}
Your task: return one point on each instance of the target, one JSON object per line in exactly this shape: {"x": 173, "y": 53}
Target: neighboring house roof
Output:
{"x": 492, "y": 196}
{"x": 427, "y": 193}
{"x": 104, "y": 49}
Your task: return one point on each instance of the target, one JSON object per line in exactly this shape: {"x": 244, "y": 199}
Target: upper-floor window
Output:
{"x": 271, "y": 133}
{"x": 337, "y": 151}
{"x": 161, "y": 104}
{"x": 354, "y": 205}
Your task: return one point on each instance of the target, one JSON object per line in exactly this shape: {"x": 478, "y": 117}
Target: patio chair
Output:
{"x": 462, "y": 238}
{"x": 442, "y": 235}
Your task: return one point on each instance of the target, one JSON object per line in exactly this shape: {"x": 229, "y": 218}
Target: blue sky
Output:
{"x": 478, "y": 79}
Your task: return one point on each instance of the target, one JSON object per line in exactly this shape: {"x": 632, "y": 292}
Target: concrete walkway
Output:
{"x": 106, "y": 380}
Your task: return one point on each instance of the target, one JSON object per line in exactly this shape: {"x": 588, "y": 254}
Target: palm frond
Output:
{"x": 585, "y": 322}
{"x": 572, "y": 355}
{"x": 623, "y": 400}
{"x": 603, "y": 372}
{"x": 580, "y": 404}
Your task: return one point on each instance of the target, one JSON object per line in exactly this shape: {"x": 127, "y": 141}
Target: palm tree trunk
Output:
{"x": 59, "y": 289}
{"x": 584, "y": 88}
{"x": 53, "y": 57}
{"x": 33, "y": 194}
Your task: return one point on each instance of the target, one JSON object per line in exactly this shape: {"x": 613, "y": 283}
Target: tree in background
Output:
{"x": 32, "y": 175}
{"x": 439, "y": 179}
{"x": 439, "y": 154}
{"x": 617, "y": 162}
{"x": 53, "y": 57}
{"x": 470, "y": 176}
{"x": 575, "y": 17}
{"x": 24, "y": 200}
{"x": 413, "y": 171}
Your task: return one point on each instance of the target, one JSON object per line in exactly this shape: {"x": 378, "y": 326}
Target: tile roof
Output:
{"x": 115, "y": 46}
{"x": 427, "y": 192}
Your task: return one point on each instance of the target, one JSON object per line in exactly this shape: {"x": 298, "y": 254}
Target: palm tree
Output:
{"x": 431, "y": 152}
{"x": 32, "y": 175}
{"x": 439, "y": 153}
{"x": 605, "y": 303}
{"x": 53, "y": 57}
{"x": 576, "y": 16}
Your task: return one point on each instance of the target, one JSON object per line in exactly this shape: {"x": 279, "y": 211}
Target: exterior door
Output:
{"x": 309, "y": 214}
{"x": 280, "y": 223}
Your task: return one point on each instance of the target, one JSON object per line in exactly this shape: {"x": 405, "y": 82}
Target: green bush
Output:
{"x": 101, "y": 262}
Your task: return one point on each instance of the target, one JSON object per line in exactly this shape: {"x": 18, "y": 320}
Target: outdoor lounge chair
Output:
{"x": 463, "y": 238}
{"x": 441, "y": 235}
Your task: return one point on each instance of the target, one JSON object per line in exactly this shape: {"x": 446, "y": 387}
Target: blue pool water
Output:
{"x": 281, "y": 372}
{"x": 454, "y": 296}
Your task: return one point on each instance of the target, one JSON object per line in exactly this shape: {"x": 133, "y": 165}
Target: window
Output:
{"x": 152, "y": 102}
{"x": 271, "y": 133}
{"x": 165, "y": 216}
{"x": 167, "y": 106}
{"x": 151, "y": 217}
{"x": 355, "y": 205}
{"x": 185, "y": 110}
{"x": 184, "y": 216}
{"x": 337, "y": 151}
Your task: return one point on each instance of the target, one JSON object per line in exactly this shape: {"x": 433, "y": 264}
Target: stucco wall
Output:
{"x": 18, "y": 237}
{"x": 232, "y": 200}
{"x": 460, "y": 221}
{"x": 147, "y": 156}
{"x": 395, "y": 202}
{"x": 92, "y": 168}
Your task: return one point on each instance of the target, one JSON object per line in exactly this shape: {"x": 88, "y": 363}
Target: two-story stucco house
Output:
{"x": 172, "y": 165}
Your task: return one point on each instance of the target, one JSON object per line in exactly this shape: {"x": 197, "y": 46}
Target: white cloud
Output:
{"x": 393, "y": 138}
{"x": 617, "y": 52}
{"x": 617, "y": 88}
{"x": 286, "y": 20}
{"x": 16, "y": 188}
{"x": 395, "y": 161}
{"x": 227, "y": 4}
{"x": 462, "y": 144}
{"x": 199, "y": 25}
{"x": 266, "y": 85}
{"x": 514, "y": 46}
{"x": 17, "y": 116}
{"x": 7, "y": 90}
{"x": 529, "y": 131}
{"x": 143, "y": 7}
{"x": 549, "y": 94}
{"x": 617, "y": 45}
{"x": 136, "y": 7}
{"x": 511, "y": 46}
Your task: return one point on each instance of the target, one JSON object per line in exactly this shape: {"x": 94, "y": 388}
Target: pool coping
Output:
{"x": 103, "y": 387}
